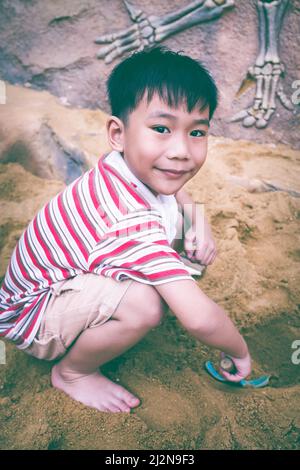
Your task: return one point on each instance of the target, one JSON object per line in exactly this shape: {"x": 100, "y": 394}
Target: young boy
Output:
{"x": 94, "y": 270}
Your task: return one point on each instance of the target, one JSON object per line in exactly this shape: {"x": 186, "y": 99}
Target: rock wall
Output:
{"x": 50, "y": 46}
{"x": 48, "y": 139}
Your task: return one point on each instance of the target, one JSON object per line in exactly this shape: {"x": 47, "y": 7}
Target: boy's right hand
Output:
{"x": 243, "y": 368}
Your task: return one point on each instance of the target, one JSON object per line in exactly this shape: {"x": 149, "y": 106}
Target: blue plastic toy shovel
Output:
{"x": 254, "y": 383}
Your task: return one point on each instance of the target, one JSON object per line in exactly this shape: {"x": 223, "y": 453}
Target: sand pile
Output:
{"x": 255, "y": 278}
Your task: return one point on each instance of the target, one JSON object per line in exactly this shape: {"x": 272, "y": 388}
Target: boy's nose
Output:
{"x": 179, "y": 152}
{"x": 178, "y": 156}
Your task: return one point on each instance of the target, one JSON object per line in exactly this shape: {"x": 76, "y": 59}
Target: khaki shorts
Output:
{"x": 84, "y": 301}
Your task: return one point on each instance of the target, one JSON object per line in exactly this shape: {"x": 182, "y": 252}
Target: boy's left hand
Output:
{"x": 200, "y": 246}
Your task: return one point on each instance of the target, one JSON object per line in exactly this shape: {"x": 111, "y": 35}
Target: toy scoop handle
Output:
{"x": 228, "y": 365}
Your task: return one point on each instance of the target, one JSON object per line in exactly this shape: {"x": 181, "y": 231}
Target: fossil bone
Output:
{"x": 268, "y": 69}
{"x": 153, "y": 29}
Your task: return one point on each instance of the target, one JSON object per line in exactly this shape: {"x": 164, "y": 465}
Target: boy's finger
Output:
{"x": 212, "y": 256}
{"x": 202, "y": 255}
{"x": 200, "y": 258}
{"x": 209, "y": 259}
{"x": 230, "y": 377}
{"x": 190, "y": 253}
{"x": 190, "y": 247}
{"x": 212, "y": 259}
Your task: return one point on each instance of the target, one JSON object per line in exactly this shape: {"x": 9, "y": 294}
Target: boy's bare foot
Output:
{"x": 94, "y": 390}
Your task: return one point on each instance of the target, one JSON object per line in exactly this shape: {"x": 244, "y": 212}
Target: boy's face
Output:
{"x": 158, "y": 138}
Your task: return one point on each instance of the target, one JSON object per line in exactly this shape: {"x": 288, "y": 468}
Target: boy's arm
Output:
{"x": 198, "y": 243}
{"x": 184, "y": 199}
{"x": 206, "y": 321}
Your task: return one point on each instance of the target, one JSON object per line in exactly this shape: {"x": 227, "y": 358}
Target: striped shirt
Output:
{"x": 105, "y": 222}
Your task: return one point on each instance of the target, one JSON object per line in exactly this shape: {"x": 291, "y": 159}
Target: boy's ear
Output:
{"x": 115, "y": 133}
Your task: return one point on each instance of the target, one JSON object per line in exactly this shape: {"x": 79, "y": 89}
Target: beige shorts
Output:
{"x": 84, "y": 301}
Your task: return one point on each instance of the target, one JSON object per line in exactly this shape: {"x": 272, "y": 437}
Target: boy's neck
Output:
{"x": 155, "y": 194}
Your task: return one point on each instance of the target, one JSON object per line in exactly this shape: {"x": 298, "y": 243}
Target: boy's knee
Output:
{"x": 142, "y": 306}
{"x": 149, "y": 307}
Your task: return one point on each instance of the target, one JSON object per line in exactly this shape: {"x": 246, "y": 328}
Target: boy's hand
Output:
{"x": 200, "y": 246}
{"x": 243, "y": 368}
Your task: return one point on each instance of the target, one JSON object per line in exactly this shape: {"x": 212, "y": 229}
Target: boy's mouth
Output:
{"x": 171, "y": 172}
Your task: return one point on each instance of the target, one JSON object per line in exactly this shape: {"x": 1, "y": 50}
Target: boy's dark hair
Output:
{"x": 175, "y": 77}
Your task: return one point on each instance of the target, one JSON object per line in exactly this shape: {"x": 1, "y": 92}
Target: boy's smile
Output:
{"x": 164, "y": 147}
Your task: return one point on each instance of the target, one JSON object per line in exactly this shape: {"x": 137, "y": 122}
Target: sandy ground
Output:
{"x": 255, "y": 278}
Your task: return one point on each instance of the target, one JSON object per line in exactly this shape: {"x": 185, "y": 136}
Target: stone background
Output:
{"x": 50, "y": 45}
{"x": 46, "y": 141}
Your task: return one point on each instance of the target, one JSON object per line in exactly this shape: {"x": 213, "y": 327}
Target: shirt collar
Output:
{"x": 165, "y": 204}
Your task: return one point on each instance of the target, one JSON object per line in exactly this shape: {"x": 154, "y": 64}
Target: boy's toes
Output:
{"x": 120, "y": 405}
{"x": 113, "y": 408}
{"x": 132, "y": 401}
{"x": 123, "y": 395}
{"x": 124, "y": 408}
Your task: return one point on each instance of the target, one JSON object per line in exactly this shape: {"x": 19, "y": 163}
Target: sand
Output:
{"x": 255, "y": 278}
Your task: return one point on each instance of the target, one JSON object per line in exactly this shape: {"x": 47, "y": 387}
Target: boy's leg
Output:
{"x": 77, "y": 374}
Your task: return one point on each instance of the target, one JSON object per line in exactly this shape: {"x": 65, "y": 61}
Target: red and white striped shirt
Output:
{"x": 106, "y": 222}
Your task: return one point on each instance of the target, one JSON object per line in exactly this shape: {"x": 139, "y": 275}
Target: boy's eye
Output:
{"x": 165, "y": 130}
{"x": 160, "y": 129}
{"x": 198, "y": 133}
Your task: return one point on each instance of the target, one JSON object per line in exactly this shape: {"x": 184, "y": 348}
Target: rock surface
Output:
{"x": 48, "y": 139}
{"x": 50, "y": 45}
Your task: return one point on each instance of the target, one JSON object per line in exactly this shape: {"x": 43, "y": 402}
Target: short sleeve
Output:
{"x": 136, "y": 247}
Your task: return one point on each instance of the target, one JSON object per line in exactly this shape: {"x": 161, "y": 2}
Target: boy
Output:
{"x": 91, "y": 274}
